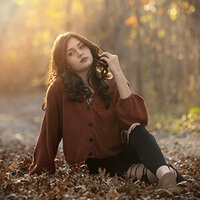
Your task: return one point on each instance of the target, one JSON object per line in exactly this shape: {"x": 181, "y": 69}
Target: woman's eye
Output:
{"x": 82, "y": 46}
{"x": 70, "y": 54}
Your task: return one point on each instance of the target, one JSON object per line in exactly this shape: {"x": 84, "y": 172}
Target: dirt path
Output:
{"x": 20, "y": 121}
{"x": 21, "y": 116}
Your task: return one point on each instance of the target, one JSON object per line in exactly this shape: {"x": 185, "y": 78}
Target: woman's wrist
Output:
{"x": 122, "y": 85}
{"x": 118, "y": 73}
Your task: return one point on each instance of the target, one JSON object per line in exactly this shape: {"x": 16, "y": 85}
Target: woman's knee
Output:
{"x": 132, "y": 129}
{"x": 140, "y": 134}
{"x": 133, "y": 126}
{"x": 139, "y": 130}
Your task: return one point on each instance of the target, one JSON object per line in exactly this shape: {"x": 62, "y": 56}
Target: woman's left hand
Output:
{"x": 113, "y": 62}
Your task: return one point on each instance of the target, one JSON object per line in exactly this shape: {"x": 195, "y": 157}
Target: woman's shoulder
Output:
{"x": 56, "y": 86}
{"x": 58, "y": 82}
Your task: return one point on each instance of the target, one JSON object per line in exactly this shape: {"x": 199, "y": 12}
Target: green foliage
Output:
{"x": 158, "y": 51}
{"x": 191, "y": 121}
{"x": 169, "y": 122}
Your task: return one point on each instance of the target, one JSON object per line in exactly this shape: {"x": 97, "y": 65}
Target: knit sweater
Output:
{"x": 88, "y": 131}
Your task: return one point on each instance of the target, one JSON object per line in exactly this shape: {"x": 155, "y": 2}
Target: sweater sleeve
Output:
{"x": 50, "y": 133}
{"x": 131, "y": 109}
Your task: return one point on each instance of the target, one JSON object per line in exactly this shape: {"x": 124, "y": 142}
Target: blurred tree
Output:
{"x": 157, "y": 42}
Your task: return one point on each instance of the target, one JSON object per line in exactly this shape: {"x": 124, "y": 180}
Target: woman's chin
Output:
{"x": 86, "y": 67}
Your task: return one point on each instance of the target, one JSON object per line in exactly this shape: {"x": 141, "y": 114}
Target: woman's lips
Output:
{"x": 84, "y": 59}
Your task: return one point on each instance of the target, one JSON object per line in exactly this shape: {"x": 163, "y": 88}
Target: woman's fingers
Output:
{"x": 106, "y": 54}
{"x": 112, "y": 61}
{"x": 104, "y": 58}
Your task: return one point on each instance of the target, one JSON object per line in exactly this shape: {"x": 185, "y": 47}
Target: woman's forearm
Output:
{"x": 113, "y": 62}
{"x": 123, "y": 88}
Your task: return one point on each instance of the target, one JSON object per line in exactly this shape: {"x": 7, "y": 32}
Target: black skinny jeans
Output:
{"x": 141, "y": 148}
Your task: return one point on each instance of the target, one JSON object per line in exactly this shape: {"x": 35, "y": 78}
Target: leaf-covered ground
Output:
{"x": 19, "y": 125}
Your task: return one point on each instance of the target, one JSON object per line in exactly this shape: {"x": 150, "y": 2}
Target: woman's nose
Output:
{"x": 79, "y": 53}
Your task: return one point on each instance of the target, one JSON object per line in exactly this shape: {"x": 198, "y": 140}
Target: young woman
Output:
{"x": 92, "y": 110}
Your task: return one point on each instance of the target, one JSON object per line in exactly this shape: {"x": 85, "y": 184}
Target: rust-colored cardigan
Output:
{"x": 87, "y": 131}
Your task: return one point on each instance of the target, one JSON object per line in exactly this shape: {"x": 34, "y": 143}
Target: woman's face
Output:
{"x": 78, "y": 56}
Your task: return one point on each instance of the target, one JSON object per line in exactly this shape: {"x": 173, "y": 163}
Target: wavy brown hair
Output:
{"x": 73, "y": 84}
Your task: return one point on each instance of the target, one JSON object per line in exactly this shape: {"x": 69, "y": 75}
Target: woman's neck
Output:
{"x": 83, "y": 75}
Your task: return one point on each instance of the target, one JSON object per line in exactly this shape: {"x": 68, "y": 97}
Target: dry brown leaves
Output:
{"x": 74, "y": 182}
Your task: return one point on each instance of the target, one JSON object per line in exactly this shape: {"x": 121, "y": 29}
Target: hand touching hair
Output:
{"x": 73, "y": 84}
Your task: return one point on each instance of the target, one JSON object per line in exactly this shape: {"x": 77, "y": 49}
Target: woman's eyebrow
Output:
{"x": 73, "y": 48}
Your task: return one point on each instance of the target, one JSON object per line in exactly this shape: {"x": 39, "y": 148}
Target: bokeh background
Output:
{"x": 158, "y": 44}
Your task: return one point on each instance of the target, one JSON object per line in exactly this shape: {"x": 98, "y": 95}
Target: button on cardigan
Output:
{"x": 87, "y": 131}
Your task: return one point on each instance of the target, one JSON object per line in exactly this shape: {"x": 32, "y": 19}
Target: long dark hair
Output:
{"x": 73, "y": 84}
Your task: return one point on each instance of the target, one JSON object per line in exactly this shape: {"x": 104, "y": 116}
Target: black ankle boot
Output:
{"x": 179, "y": 177}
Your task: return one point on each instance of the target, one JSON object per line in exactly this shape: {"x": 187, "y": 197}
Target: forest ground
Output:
{"x": 20, "y": 120}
